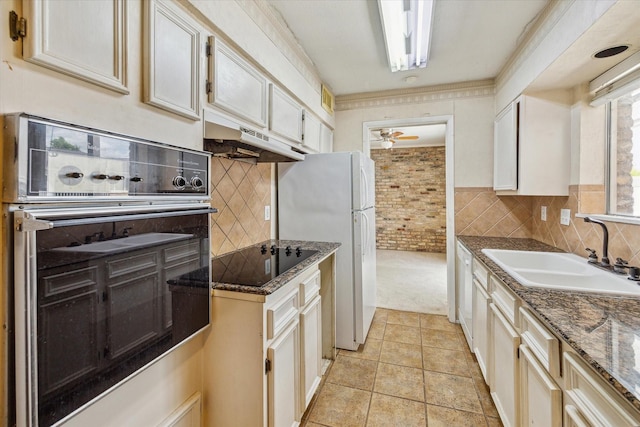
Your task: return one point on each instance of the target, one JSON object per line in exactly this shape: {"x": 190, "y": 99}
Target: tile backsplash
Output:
{"x": 239, "y": 191}
{"x": 624, "y": 239}
{"x": 480, "y": 212}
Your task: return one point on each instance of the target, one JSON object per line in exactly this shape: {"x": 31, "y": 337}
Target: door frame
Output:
{"x": 447, "y": 120}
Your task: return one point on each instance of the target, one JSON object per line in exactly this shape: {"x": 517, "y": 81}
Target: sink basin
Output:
{"x": 125, "y": 243}
{"x": 560, "y": 271}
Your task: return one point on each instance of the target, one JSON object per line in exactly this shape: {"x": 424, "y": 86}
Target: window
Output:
{"x": 624, "y": 155}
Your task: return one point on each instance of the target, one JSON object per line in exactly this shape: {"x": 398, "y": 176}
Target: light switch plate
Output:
{"x": 267, "y": 213}
{"x": 543, "y": 213}
{"x": 565, "y": 216}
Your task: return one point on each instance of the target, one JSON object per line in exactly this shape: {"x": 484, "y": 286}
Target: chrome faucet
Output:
{"x": 605, "y": 241}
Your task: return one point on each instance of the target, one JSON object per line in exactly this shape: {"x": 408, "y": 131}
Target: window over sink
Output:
{"x": 623, "y": 183}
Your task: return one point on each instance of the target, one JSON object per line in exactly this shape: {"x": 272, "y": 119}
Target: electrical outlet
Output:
{"x": 565, "y": 216}
{"x": 543, "y": 213}
{"x": 267, "y": 213}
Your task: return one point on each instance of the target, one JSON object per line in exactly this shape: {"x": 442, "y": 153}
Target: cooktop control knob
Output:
{"x": 136, "y": 179}
{"x": 74, "y": 175}
{"x": 179, "y": 182}
{"x": 100, "y": 176}
{"x": 196, "y": 182}
{"x": 116, "y": 177}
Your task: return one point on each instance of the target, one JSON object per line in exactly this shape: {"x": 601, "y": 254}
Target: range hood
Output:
{"x": 227, "y": 138}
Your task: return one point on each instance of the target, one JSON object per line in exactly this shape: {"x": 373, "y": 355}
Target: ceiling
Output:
{"x": 428, "y": 136}
{"x": 471, "y": 40}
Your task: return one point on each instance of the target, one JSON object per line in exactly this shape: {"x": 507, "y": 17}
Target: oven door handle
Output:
{"x": 28, "y": 223}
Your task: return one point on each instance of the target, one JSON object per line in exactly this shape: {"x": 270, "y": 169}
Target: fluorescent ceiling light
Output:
{"x": 406, "y": 26}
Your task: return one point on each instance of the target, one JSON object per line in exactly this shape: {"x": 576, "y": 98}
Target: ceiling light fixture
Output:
{"x": 386, "y": 144}
{"x": 406, "y": 26}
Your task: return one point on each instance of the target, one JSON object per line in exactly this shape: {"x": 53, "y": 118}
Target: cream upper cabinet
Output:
{"x": 171, "y": 59}
{"x": 532, "y": 138}
{"x": 84, "y": 39}
{"x": 312, "y": 132}
{"x": 326, "y": 139}
{"x": 285, "y": 115}
{"x": 235, "y": 85}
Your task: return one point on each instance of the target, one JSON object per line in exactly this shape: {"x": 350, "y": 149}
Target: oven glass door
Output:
{"x": 102, "y": 299}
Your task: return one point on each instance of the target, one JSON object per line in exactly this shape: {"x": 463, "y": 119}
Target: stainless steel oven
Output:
{"x": 102, "y": 225}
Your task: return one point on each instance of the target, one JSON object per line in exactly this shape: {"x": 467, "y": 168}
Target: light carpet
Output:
{"x": 412, "y": 281}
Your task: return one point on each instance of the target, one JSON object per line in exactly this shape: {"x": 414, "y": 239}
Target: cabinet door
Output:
{"x": 540, "y": 396}
{"x": 312, "y": 132}
{"x": 68, "y": 313}
{"x": 505, "y": 377}
{"x": 505, "y": 149}
{"x": 311, "y": 350}
{"x": 171, "y": 60}
{"x": 283, "y": 378}
{"x": 133, "y": 303}
{"x": 464, "y": 276}
{"x": 285, "y": 115}
{"x": 84, "y": 39}
{"x": 326, "y": 139}
{"x": 481, "y": 301}
{"x": 237, "y": 86}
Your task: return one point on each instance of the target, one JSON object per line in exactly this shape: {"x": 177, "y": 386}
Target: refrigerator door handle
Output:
{"x": 365, "y": 227}
{"x": 364, "y": 196}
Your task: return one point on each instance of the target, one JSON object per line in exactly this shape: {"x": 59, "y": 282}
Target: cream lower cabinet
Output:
{"x": 263, "y": 354}
{"x": 590, "y": 401}
{"x": 505, "y": 375}
{"x": 540, "y": 396}
{"x": 481, "y": 329}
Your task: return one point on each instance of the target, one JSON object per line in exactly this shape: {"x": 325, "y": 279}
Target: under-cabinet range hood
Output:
{"x": 229, "y": 139}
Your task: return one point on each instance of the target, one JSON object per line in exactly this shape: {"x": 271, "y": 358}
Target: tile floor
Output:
{"x": 413, "y": 370}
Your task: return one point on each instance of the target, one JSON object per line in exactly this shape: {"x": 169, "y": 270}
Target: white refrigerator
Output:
{"x": 331, "y": 198}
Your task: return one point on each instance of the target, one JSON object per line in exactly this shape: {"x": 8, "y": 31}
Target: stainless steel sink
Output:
{"x": 131, "y": 242}
{"x": 561, "y": 271}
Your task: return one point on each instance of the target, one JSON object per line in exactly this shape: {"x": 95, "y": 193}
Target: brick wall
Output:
{"x": 411, "y": 199}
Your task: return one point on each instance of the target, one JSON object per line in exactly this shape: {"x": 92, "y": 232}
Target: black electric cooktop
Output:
{"x": 255, "y": 266}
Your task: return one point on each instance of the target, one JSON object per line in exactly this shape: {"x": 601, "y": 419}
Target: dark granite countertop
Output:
{"x": 324, "y": 250}
{"x": 603, "y": 329}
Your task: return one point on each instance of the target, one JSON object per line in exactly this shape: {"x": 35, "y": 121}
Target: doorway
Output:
{"x": 414, "y": 200}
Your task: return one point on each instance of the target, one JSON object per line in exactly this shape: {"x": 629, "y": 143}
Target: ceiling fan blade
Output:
{"x": 408, "y": 137}
{"x": 396, "y": 133}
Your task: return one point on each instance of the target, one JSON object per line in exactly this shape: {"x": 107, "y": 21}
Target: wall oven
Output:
{"x": 102, "y": 226}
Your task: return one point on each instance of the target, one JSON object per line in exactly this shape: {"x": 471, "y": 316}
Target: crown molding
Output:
{"x": 418, "y": 95}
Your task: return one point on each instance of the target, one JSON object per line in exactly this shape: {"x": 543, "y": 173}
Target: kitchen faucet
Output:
{"x": 605, "y": 241}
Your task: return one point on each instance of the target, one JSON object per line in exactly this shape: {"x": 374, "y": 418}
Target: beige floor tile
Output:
{"x": 443, "y": 360}
{"x": 381, "y": 314}
{"x": 404, "y": 318}
{"x": 370, "y": 350}
{"x": 442, "y": 339}
{"x": 494, "y": 422}
{"x": 438, "y": 416}
{"x": 400, "y": 381}
{"x": 353, "y": 372}
{"x": 389, "y": 411}
{"x": 402, "y": 333}
{"x": 401, "y": 354}
{"x": 451, "y": 391}
{"x": 484, "y": 395}
{"x": 341, "y": 406}
{"x": 376, "y": 330}
{"x": 432, "y": 321}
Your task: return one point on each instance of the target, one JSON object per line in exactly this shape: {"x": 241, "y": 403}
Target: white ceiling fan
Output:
{"x": 388, "y": 137}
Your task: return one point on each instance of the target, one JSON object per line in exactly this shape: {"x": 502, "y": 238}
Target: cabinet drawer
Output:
{"x": 481, "y": 273}
{"x": 599, "y": 405}
{"x": 541, "y": 342}
{"x": 505, "y": 300}
{"x": 281, "y": 314}
{"x": 309, "y": 288}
